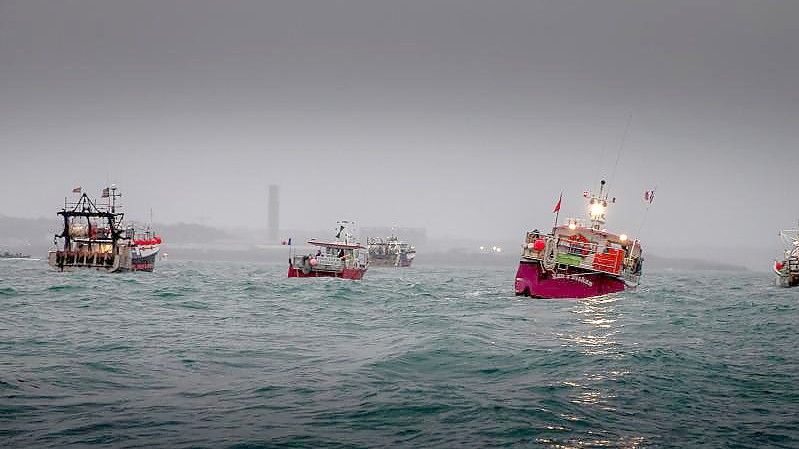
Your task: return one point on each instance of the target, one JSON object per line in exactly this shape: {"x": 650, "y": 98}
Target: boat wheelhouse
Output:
{"x": 391, "y": 252}
{"x": 343, "y": 258}
{"x": 787, "y": 270}
{"x": 577, "y": 259}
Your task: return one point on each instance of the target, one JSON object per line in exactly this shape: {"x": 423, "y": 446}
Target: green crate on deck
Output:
{"x": 569, "y": 259}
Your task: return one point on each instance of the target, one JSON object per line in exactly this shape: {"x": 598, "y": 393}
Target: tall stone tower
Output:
{"x": 274, "y": 214}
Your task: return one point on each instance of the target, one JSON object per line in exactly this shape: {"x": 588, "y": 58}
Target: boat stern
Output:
{"x": 526, "y": 279}
{"x": 787, "y": 272}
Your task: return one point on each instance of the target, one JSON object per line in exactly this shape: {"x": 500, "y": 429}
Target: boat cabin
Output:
{"x": 330, "y": 258}
{"x": 579, "y": 246}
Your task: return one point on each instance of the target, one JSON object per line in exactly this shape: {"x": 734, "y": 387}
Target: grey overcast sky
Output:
{"x": 465, "y": 117}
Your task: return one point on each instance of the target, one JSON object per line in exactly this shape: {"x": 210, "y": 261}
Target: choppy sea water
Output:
{"x": 236, "y": 355}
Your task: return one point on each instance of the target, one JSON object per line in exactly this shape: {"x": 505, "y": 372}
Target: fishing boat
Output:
{"x": 14, "y": 256}
{"x": 787, "y": 270}
{"x": 342, "y": 258}
{"x": 144, "y": 250}
{"x": 94, "y": 236}
{"x": 579, "y": 259}
{"x": 391, "y": 252}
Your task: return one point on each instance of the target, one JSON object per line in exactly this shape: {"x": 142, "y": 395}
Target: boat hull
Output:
{"x": 787, "y": 272}
{"x": 72, "y": 261}
{"x": 787, "y": 281}
{"x": 346, "y": 273}
{"x": 143, "y": 259}
{"x": 533, "y": 280}
{"x": 786, "y": 278}
{"x": 377, "y": 261}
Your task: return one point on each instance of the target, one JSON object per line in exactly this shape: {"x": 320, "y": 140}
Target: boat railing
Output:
{"x": 328, "y": 263}
{"x": 565, "y": 252}
{"x": 631, "y": 279}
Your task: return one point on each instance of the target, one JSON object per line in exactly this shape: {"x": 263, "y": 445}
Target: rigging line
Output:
{"x": 643, "y": 221}
{"x": 621, "y": 147}
{"x": 601, "y": 161}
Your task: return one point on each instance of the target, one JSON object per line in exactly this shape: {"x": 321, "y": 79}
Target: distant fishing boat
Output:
{"x": 15, "y": 256}
{"x": 578, "y": 260}
{"x": 144, "y": 250}
{"x": 391, "y": 252}
{"x": 342, "y": 258}
{"x": 787, "y": 270}
{"x": 94, "y": 236}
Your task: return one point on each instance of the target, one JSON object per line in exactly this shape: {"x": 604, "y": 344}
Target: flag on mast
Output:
{"x": 76, "y": 189}
{"x": 557, "y": 206}
{"x": 106, "y": 193}
{"x": 649, "y": 196}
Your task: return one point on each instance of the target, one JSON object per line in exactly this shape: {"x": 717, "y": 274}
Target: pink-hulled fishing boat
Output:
{"x": 343, "y": 258}
{"x": 578, "y": 260}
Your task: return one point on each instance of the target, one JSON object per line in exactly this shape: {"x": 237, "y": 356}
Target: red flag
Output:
{"x": 557, "y": 206}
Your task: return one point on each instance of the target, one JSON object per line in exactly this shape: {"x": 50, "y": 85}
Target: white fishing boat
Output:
{"x": 787, "y": 269}
{"x": 343, "y": 257}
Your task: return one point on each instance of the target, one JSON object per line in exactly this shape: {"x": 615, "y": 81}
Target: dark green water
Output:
{"x": 220, "y": 355}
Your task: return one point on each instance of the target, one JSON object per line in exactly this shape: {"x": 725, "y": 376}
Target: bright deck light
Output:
{"x": 623, "y": 237}
{"x": 572, "y": 226}
{"x": 597, "y": 209}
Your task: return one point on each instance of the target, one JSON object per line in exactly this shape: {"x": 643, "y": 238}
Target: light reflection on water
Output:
{"x": 598, "y": 316}
{"x": 596, "y": 338}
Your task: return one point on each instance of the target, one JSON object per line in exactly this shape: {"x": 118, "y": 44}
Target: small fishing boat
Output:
{"x": 579, "y": 260}
{"x": 14, "y": 256}
{"x": 342, "y": 258}
{"x": 144, "y": 250}
{"x": 787, "y": 270}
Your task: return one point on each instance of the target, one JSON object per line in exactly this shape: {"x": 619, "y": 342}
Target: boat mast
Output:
{"x": 113, "y": 220}
{"x": 65, "y": 232}
{"x": 113, "y": 198}
{"x": 597, "y": 206}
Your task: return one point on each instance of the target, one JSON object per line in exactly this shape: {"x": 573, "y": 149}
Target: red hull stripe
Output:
{"x": 347, "y": 273}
